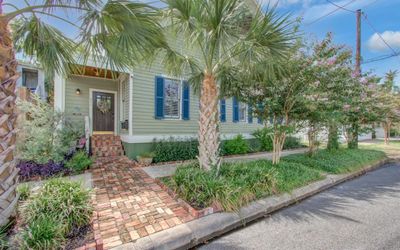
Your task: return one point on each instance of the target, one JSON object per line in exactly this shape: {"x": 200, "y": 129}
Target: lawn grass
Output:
{"x": 339, "y": 161}
{"x": 391, "y": 149}
{"x": 239, "y": 183}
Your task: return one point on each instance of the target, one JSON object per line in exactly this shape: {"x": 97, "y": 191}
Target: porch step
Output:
{"x": 106, "y": 145}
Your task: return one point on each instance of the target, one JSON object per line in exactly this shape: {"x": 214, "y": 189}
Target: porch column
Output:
{"x": 59, "y": 92}
{"x": 130, "y": 107}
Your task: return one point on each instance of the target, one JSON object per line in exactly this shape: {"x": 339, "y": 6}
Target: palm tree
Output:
{"x": 219, "y": 35}
{"x": 114, "y": 34}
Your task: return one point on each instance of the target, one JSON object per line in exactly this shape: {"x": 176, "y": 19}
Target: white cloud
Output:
{"x": 375, "y": 43}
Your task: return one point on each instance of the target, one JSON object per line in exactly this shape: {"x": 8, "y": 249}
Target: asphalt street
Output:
{"x": 363, "y": 213}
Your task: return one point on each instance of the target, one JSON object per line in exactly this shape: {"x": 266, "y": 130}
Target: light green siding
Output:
{"x": 144, "y": 122}
{"x": 77, "y": 106}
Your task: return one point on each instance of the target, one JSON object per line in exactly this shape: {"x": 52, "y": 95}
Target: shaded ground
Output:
{"x": 359, "y": 214}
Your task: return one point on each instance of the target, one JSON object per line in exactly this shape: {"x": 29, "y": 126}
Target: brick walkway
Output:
{"x": 129, "y": 204}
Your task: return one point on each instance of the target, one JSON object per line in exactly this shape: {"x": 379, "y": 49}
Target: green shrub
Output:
{"x": 237, "y": 145}
{"x": 239, "y": 183}
{"x": 24, "y": 191}
{"x": 174, "y": 150}
{"x": 292, "y": 143}
{"x": 41, "y": 138}
{"x": 43, "y": 233}
{"x": 79, "y": 162}
{"x": 264, "y": 137}
{"x": 65, "y": 201}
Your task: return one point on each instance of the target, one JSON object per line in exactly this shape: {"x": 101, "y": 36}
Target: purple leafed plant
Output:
{"x": 28, "y": 170}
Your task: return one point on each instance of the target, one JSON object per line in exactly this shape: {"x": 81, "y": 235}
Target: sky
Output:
{"x": 382, "y": 15}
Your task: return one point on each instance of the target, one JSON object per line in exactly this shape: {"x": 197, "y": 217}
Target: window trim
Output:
{"x": 245, "y": 120}
{"x": 179, "y": 117}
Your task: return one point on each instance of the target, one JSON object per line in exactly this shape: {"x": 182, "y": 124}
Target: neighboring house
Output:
{"x": 32, "y": 77}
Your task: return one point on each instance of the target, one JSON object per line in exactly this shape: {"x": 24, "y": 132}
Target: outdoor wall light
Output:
{"x": 78, "y": 91}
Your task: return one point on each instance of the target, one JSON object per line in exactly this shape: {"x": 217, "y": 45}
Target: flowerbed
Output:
{"x": 56, "y": 215}
{"x": 74, "y": 164}
{"x": 237, "y": 184}
{"x": 240, "y": 183}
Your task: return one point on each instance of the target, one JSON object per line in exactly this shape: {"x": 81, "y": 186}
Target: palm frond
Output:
{"x": 120, "y": 34}
{"x": 177, "y": 64}
{"x": 86, "y": 4}
{"x": 53, "y": 50}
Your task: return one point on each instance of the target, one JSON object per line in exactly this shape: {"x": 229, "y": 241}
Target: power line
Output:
{"x": 380, "y": 58}
{"x": 379, "y": 35}
{"x": 331, "y": 12}
{"x": 340, "y": 7}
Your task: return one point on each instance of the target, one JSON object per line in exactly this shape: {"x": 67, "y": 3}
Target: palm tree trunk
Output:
{"x": 209, "y": 125}
{"x": 8, "y": 118}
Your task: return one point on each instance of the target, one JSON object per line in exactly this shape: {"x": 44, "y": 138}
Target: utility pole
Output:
{"x": 358, "y": 46}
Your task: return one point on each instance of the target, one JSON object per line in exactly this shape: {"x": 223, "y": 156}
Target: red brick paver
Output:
{"x": 129, "y": 204}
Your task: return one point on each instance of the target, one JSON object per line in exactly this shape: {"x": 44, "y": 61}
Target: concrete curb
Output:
{"x": 200, "y": 230}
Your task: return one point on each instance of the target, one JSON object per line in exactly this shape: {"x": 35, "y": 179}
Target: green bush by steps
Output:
{"x": 79, "y": 162}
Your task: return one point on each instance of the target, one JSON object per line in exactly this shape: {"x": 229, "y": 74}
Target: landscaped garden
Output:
{"x": 53, "y": 216}
{"x": 48, "y": 144}
{"x": 237, "y": 184}
{"x": 257, "y": 57}
{"x": 172, "y": 149}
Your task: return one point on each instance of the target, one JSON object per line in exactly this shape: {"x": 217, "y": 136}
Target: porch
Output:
{"x": 98, "y": 98}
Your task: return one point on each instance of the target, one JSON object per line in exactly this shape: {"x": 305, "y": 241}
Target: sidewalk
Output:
{"x": 164, "y": 170}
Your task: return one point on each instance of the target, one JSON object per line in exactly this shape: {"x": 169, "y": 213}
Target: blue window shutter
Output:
{"x": 185, "y": 101}
{"x": 249, "y": 113}
{"x": 235, "y": 105}
{"x": 222, "y": 115}
{"x": 260, "y": 107}
{"x": 159, "y": 98}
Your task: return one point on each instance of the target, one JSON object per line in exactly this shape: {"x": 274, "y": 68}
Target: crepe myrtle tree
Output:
{"x": 277, "y": 100}
{"x": 219, "y": 35}
{"x": 359, "y": 107}
{"x": 114, "y": 34}
{"x": 329, "y": 77}
{"x": 387, "y": 104}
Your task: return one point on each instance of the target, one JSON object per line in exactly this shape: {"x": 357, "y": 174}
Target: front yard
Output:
{"x": 239, "y": 183}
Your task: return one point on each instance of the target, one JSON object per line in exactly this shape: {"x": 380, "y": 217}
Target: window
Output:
{"x": 242, "y": 112}
{"x": 30, "y": 79}
{"x": 172, "y": 101}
